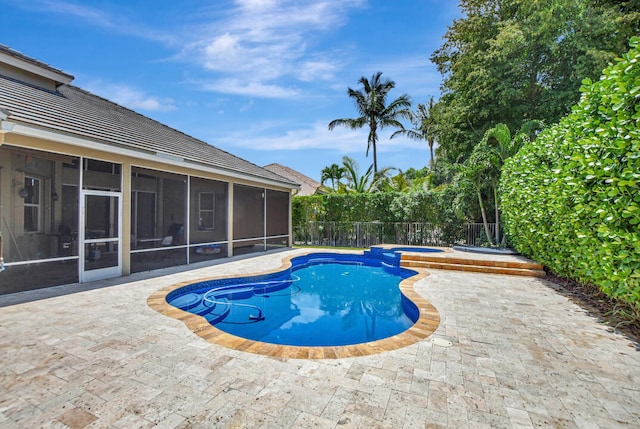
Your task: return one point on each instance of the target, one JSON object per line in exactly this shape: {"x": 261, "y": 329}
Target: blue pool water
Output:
{"x": 324, "y": 299}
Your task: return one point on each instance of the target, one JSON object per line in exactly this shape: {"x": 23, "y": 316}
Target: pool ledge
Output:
{"x": 427, "y": 323}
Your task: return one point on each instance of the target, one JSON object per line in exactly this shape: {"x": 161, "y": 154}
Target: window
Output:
{"x": 206, "y": 210}
{"x": 32, "y": 194}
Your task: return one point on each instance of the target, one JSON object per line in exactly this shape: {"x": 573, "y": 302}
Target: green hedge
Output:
{"x": 343, "y": 208}
{"x": 435, "y": 206}
{"x": 571, "y": 198}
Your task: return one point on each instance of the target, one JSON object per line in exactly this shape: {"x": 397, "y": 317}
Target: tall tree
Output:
{"x": 373, "y": 110}
{"x": 509, "y": 61}
{"x": 423, "y": 127}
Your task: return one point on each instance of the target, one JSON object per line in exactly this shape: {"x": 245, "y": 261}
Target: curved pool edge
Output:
{"x": 428, "y": 321}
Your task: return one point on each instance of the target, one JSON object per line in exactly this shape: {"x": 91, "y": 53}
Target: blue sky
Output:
{"x": 261, "y": 79}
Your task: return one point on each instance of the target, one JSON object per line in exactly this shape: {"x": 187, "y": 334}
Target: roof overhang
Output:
{"x": 15, "y": 59}
{"x": 44, "y": 134}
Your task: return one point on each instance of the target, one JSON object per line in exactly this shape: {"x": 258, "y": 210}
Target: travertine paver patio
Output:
{"x": 522, "y": 355}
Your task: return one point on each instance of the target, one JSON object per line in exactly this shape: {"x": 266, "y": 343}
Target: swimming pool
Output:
{"x": 324, "y": 299}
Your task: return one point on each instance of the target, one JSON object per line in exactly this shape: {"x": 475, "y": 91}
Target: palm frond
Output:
{"x": 411, "y": 134}
{"x": 353, "y": 124}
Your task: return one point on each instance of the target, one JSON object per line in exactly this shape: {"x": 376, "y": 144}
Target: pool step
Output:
{"x": 391, "y": 258}
{"x": 385, "y": 255}
{"x": 215, "y": 318}
{"x": 514, "y": 268}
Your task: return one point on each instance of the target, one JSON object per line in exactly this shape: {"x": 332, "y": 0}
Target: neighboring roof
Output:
{"x": 71, "y": 110}
{"x": 308, "y": 185}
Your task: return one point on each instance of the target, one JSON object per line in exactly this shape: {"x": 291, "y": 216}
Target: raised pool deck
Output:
{"x": 509, "y": 352}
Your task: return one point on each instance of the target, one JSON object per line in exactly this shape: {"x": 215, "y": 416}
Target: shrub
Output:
{"x": 571, "y": 198}
{"x": 305, "y": 209}
{"x": 427, "y": 206}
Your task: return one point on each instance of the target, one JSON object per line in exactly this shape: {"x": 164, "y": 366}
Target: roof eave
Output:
{"x": 35, "y": 132}
{"x": 21, "y": 61}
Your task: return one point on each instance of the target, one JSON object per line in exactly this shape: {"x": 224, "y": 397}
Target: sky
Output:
{"x": 260, "y": 79}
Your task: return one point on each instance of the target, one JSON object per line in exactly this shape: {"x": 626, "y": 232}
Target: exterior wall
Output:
{"x": 22, "y": 156}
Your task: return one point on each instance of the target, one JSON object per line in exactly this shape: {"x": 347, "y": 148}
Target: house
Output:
{"x": 308, "y": 186}
{"x": 92, "y": 190}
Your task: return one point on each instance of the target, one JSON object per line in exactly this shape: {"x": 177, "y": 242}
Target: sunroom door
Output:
{"x": 101, "y": 241}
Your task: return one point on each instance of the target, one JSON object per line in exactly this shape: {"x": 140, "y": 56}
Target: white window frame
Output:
{"x": 212, "y": 210}
{"x": 37, "y": 205}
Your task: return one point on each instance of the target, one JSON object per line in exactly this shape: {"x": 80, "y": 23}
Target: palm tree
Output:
{"x": 483, "y": 166}
{"x": 486, "y": 161}
{"x": 334, "y": 173}
{"x": 371, "y": 104}
{"x": 397, "y": 183}
{"x": 502, "y": 146}
{"x": 423, "y": 127}
{"x": 356, "y": 182}
{"x": 368, "y": 182}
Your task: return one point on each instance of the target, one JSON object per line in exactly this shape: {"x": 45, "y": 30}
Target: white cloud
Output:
{"x": 257, "y": 44}
{"x": 315, "y": 136}
{"x": 255, "y": 89}
{"x": 222, "y": 47}
{"x": 117, "y": 21}
{"x": 130, "y": 97}
{"x": 256, "y": 4}
{"x": 261, "y": 42}
{"x": 311, "y": 70}
{"x": 247, "y": 106}
{"x": 242, "y": 58}
{"x": 93, "y": 15}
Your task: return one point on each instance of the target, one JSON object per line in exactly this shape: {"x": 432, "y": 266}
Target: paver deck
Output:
{"x": 520, "y": 355}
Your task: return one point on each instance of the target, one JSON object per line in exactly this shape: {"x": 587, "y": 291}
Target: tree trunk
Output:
{"x": 374, "y": 137}
{"x": 375, "y": 160}
{"x": 484, "y": 218}
{"x": 495, "y": 199}
{"x": 431, "y": 154}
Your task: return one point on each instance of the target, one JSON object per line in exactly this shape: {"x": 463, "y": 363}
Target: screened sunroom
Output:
{"x": 91, "y": 190}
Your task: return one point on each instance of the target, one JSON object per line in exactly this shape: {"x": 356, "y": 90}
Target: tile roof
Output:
{"x": 61, "y": 76}
{"x": 309, "y": 186}
{"x": 71, "y": 110}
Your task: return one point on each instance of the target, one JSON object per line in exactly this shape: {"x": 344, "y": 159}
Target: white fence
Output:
{"x": 367, "y": 234}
